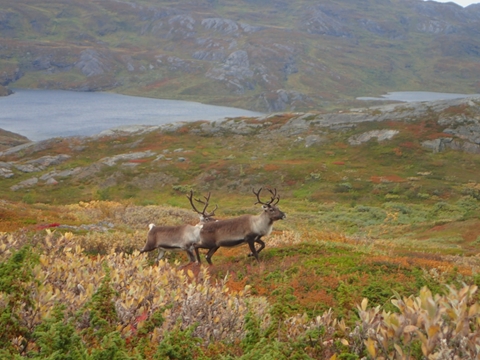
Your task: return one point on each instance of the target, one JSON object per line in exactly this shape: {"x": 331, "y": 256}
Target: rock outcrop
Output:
{"x": 9, "y": 139}
{"x": 380, "y": 135}
{"x": 456, "y": 123}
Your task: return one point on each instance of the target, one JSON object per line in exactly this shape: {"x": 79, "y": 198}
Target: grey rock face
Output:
{"x": 312, "y": 140}
{"x": 16, "y": 149}
{"x": 6, "y": 173}
{"x": 42, "y": 163}
{"x": 7, "y": 77}
{"x": 437, "y": 145}
{"x": 110, "y": 161}
{"x": 465, "y": 146}
{"x": 5, "y": 165}
{"x": 92, "y": 63}
{"x": 224, "y": 26}
{"x": 60, "y": 174}
{"x": 24, "y": 184}
{"x": 467, "y": 132}
{"x": 27, "y": 168}
{"x": 48, "y": 160}
{"x": 381, "y": 135}
{"x": 323, "y": 22}
{"x": 281, "y": 100}
{"x": 235, "y": 71}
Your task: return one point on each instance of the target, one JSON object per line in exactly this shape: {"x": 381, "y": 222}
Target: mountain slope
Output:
{"x": 267, "y": 55}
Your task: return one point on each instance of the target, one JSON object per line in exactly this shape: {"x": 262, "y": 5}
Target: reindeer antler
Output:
{"x": 205, "y": 203}
{"x": 274, "y": 197}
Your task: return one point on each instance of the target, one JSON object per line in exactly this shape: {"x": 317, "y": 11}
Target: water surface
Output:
{"x": 44, "y": 114}
{"x": 412, "y": 96}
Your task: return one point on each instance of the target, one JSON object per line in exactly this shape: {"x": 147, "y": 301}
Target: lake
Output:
{"x": 412, "y": 96}
{"x": 45, "y": 114}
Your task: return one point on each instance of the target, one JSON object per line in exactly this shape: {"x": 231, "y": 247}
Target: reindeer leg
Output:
{"x": 262, "y": 245}
{"x": 197, "y": 254}
{"x": 210, "y": 254}
{"x": 190, "y": 254}
{"x": 160, "y": 254}
{"x": 251, "y": 244}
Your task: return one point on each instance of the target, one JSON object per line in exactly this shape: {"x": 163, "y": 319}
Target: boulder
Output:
{"x": 437, "y": 145}
{"x": 24, "y": 184}
{"x": 381, "y": 135}
{"x": 6, "y": 173}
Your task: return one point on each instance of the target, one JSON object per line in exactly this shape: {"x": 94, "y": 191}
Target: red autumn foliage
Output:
{"x": 47, "y": 226}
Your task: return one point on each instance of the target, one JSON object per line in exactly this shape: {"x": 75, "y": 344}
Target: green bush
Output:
{"x": 16, "y": 282}
{"x": 102, "y": 316}
{"x": 57, "y": 339}
{"x": 179, "y": 344}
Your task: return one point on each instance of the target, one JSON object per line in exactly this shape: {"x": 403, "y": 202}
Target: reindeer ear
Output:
{"x": 264, "y": 207}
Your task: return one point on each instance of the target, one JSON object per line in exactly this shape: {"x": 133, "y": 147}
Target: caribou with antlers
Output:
{"x": 242, "y": 229}
{"x": 178, "y": 238}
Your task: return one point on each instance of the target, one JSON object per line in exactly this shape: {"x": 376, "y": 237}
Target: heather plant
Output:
{"x": 111, "y": 298}
{"x": 317, "y": 335}
{"x": 471, "y": 189}
{"x": 469, "y": 205}
{"x": 433, "y": 326}
{"x": 118, "y": 241}
{"x": 90, "y": 295}
{"x": 128, "y": 214}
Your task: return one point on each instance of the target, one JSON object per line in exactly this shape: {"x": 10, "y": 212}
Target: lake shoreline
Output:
{"x": 43, "y": 114}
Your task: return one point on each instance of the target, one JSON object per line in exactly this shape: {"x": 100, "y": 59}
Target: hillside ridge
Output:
{"x": 264, "y": 56}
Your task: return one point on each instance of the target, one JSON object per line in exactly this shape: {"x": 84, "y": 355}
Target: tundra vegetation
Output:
{"x": 377, "y": 258}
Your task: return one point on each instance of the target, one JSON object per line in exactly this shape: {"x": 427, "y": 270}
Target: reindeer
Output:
{"x": 178, "y": 238}
{"x": 242, "y": 229}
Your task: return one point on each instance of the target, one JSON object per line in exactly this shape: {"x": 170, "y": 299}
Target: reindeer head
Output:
{"x": 270, "y": 208}
{"x": 204, "y": 215}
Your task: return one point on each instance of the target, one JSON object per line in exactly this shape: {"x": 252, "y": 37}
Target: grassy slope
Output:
{"x": 362, "y": 221}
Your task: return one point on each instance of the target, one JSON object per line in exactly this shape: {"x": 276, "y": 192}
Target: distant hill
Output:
{"x": 9, "y": 139}
{"x": 262, "y": 55}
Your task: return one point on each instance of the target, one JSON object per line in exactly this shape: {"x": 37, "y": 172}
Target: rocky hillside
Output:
{"x": 262, "y": 55}
{"x": 9, "y": 139}
{"x": 414, "y": 152}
